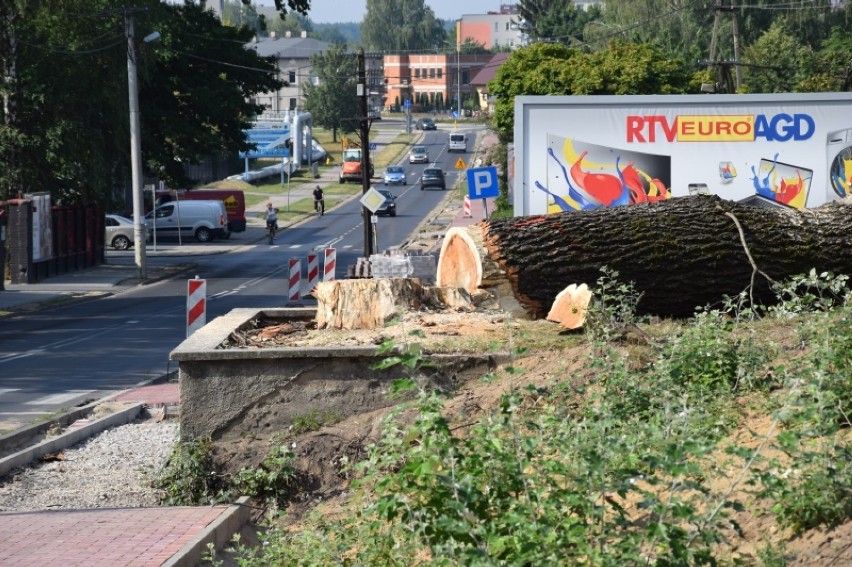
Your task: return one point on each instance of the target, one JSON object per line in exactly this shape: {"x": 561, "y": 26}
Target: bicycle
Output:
{"x": 271, "y": 229}
{"x": 319, "y": 206}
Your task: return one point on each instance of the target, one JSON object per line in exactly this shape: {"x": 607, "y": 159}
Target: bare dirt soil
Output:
{"x": 553, "y": 355}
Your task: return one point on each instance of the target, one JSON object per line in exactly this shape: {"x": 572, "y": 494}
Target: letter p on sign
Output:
{"x": 482, "y": 183}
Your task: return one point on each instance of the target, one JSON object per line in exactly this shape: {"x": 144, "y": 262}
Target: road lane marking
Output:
{"x": 58, "y": 398}
{"x": 20, "y": 355}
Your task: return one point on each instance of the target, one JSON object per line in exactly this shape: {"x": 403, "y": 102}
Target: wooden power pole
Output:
{"x": 364, "y": 134}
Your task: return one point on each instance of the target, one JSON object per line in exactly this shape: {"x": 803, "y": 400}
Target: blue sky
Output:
{"x": 336, "y": 11}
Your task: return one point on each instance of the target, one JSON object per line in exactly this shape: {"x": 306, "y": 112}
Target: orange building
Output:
{"x": 431, "y": 81}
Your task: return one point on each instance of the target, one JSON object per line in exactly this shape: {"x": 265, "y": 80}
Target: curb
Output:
{"x": 218, "y": 533}
{"x": 26, "y": 456}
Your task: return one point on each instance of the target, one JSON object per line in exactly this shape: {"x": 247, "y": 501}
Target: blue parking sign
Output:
{"x": 482, "y": 182}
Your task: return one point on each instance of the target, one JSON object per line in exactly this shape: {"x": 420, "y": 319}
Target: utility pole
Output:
{"x": 735, "y": 32}
{"x": 364, "y": 133}
{"x": 135, "y": 149}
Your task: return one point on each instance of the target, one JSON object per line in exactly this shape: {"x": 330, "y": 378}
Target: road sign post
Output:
{"x": 482, "y": 183}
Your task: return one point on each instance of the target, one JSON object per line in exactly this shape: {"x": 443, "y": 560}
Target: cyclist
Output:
{"x": 271, "y": 221}
{"x": 319, "y": 201}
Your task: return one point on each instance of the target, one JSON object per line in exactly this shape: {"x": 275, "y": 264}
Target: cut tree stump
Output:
{"x": 371, "y": 303}
{"x": 681, "y": 253}
{"x": 570, "y": 306}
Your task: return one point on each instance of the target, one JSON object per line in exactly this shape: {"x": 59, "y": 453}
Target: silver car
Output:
{"x": 119, "y": 232}
{"x": 418, "y": 154}
{"x": 395, "y": 175}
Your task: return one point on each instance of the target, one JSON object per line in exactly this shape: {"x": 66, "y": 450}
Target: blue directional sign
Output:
{"x": 373, "y": 146}
{"x": 455, "y": 114}
{"x": 407, "y": 104}
{"x": 270, "y": 142}
{"x": 482, "y": 182}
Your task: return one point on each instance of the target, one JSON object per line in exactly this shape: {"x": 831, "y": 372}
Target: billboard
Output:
{"x": 585, "y": 152}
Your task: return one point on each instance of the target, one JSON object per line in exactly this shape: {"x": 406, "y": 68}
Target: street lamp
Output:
{"x": 458, "y": 72}
{"x": 139, "y": 239}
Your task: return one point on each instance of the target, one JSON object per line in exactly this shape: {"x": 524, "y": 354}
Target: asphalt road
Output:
{"x": 62, "y": 357}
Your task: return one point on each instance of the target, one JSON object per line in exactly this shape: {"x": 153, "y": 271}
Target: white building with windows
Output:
{"x": 293, "y": 55}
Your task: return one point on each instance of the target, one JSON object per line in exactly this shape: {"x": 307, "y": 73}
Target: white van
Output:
{"x": 205, "y": 220}
{"x": 458, "y": 142}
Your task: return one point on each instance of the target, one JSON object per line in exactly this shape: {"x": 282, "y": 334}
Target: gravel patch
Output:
{"x": 110, "y": 470}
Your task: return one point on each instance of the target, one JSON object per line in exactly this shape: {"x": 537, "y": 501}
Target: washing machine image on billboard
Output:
{"x": 782, "y": 182}
{"x": 583, "y": 176}
{"x": 839, "y": 150}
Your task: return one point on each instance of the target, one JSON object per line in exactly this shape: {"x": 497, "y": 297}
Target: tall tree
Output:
{"x": 776, "y": 61}
{"x": 332, "y": 101}
{"x": 556, "y": 21}
{"x": 401, "y": 25}
{"x": 283, "y": 6}
{"x": 66, "y": 129}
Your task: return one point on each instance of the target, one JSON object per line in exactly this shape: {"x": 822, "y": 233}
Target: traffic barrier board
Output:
{"x": 329, "y": 264}
{"x": 196, "y": 305}
{"x": 294, "y": 281}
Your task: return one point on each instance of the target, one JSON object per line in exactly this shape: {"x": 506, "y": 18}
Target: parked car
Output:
{"x": 425, "y": 124}
{"x": 419, "y": 154}
{"x": 389, "y": 206}
{"x": 433, "y": 177}
{"x": 395, "y": 175}
{"x": 119, "y": 232}
{"x": 205, "y": 220}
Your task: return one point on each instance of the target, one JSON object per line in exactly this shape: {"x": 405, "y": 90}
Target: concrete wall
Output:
{"x": 226, "y": 393}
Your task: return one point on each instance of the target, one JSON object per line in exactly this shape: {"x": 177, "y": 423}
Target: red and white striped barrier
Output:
{"x": 466, "y": 209}
{"x": 330, "y": 264}
{"x": 313, "y": 272}
{"x": 196, "y": 305}
{"x": 294, "y": 282}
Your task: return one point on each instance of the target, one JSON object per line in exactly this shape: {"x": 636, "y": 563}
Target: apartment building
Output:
{"x": 293, "y": 59}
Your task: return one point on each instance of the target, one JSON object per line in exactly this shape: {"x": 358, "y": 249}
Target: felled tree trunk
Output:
{"x": 370, "y": 303}
{"x": 680, "y": 254}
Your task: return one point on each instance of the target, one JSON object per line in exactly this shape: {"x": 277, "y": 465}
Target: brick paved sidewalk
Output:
{"x": 147, "y": 537}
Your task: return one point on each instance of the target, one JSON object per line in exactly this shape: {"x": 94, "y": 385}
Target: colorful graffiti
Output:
{"x": 840, "y": 174}
{"x": 781, "y": 182}
{"x": 592, "y": 182}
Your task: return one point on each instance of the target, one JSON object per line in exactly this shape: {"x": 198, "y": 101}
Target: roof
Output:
{"x": 288, "y": 47}
{"x": 484, "y": 76}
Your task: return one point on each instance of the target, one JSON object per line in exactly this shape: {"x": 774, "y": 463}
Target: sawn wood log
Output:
{"x": 681, "y": 254}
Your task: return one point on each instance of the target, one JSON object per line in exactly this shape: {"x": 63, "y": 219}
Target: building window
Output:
{"x": 495, "y": 27}
{"x": 507, "y": 26}
{"x": 440, "y": 73}
{"x": 432, "y": 73}
{"x": 292, "y": 104}
{"x": 291, "y": 77}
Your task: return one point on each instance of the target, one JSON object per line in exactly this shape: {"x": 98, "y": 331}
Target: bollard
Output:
{"x": 329, "y": 264}
{"x": 196, "y": 305}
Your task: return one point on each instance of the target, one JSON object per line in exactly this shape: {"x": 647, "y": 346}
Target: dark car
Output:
{"x": 433, "y": 177}
{"x": 425, "y": 124}
{"x": 389, "y": 206}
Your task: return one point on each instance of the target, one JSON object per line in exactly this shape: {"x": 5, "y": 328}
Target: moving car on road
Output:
{"x": 419, "y": 154}
{"x": 389, "y": 206}
{"x": 395, "y": 175}
{"x": 433, "y": 177}
{"x": 425, "y": 124}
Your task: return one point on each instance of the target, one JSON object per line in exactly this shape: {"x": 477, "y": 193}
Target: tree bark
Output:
{"x": 681, "y": 253}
